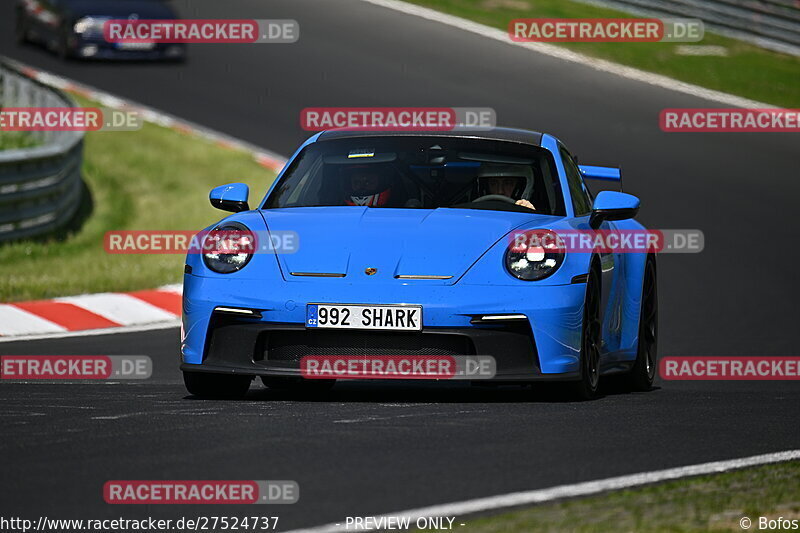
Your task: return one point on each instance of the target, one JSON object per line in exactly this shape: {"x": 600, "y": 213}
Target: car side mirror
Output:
{"x": 231, "y": 197}
{"x": 611, "y": 205}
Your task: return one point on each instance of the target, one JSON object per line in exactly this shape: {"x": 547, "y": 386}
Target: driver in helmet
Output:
{"x": 365, "y": 185}
{"x": 510, "y": 186}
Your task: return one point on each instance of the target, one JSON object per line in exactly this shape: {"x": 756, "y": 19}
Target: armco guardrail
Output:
{"x": 40, "y": 187}
{"x": 773, "y": 24}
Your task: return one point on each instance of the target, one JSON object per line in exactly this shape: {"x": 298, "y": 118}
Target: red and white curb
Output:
{"x": 91, "y": 312}
{"x": 262, "y": 156}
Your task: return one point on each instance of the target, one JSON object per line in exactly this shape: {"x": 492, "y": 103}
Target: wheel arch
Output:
{"x": 635, "y": 265}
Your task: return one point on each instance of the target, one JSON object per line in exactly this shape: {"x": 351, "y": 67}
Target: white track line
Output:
{"x": 516, "y": 499}
{"x": 574, "y": 57}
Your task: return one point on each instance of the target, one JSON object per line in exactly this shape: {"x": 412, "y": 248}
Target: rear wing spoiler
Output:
{"x": 601, "y": 173}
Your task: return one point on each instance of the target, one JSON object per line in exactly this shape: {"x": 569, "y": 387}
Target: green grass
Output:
{"x": 707, "y": 503}
{"x": 747, "y": 71}
{"x": 152, "y": 179}
{"x": 10, "y": 140}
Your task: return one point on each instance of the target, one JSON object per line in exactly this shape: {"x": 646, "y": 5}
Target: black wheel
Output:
{"x": 586, "y": 387}
{"x": 299, "y": 384}
{"x": 216, "y": 385}
{"x": 21, "y": 29}
{"x": 644, "y": 370}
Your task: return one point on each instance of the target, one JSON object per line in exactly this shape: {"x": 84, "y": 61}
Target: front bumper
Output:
{"x": 249, "y": 347}
{"x": 546, "y": 346}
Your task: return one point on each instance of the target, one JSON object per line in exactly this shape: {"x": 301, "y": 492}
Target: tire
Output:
{"x": 206, "y": 385}
{"x": 643, "y": 373}
{"x": 298, "y": 384}
{"x": 587, "y": 386}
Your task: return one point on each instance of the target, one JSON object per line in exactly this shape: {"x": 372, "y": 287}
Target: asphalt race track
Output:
{"x": 364, "y": 449}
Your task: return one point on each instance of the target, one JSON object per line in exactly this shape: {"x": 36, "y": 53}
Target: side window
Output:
{"x": 581, "y": 199}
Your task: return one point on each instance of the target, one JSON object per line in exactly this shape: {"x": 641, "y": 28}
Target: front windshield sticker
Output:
{"x": 361, "y": 152}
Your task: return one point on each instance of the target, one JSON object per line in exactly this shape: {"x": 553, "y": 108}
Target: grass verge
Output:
{"x": 14, "y": 140}
{"x": 152, "y": 179}
{"x": 747, "y": 70}
{"x": 707, "y": 503}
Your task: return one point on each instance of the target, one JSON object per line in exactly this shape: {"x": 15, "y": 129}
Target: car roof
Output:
{"x": 532, "y": 138}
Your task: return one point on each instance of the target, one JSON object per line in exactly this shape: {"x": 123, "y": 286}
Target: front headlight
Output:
{"x": 89, "y": 25}
{"x": 228, "y": 248}
{"x": 535, "y": 258}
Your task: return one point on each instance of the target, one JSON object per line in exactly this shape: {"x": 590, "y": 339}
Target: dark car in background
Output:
{"x": 74, "y": 28}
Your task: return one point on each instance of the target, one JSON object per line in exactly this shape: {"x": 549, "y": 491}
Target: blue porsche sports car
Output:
{"x": 404, "y": 248}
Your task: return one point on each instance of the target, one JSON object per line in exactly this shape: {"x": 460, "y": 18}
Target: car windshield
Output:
{"x": 418, "y": 172}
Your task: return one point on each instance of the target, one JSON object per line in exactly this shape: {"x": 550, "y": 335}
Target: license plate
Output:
{"x": 384, "y": 317}
{"x": 136, "y": 46}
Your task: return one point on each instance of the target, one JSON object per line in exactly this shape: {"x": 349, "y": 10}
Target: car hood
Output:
{"x": 143, "y": 9}
{"x": 396, "y": 242}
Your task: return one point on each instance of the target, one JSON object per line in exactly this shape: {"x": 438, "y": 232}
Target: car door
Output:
{"x": 611, "y": 265}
